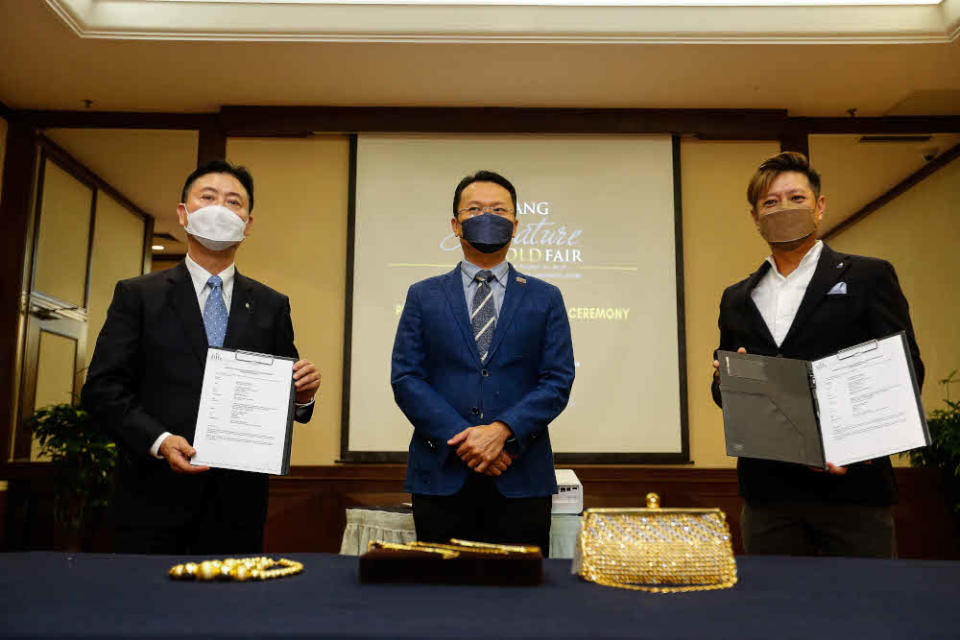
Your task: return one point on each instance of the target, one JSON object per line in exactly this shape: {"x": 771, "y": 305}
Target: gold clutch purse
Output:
{"x": 656, "y": 550}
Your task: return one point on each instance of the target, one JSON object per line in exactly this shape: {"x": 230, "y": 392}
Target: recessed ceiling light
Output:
{"x": 158, "y": 247}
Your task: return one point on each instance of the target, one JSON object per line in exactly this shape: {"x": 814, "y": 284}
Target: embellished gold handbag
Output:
{"x": 656, "y": 550}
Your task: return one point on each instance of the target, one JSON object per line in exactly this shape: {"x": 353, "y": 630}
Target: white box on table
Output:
{"x": 569, "y": 496}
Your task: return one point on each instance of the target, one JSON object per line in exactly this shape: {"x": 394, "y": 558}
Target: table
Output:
{"x": 57, "y": 595}
{"x": 395, "y": 524}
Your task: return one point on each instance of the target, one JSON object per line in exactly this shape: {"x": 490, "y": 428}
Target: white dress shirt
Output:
{"x": 778, "y": 297}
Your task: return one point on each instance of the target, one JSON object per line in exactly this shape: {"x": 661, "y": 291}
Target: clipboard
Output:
{"x": 247, "y": 406}
{"x": 803, "y": 411}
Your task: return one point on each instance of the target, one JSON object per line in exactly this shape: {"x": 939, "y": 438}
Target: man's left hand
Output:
{"x": 306, "y": 380}
{"x": 480, "y": 446}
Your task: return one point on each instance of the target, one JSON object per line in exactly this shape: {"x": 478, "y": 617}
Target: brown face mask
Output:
{"x": 787, "y": 225}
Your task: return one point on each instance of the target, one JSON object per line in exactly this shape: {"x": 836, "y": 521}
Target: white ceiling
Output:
{"x": 48, "y": 66}
{"x": 513, "y": 21}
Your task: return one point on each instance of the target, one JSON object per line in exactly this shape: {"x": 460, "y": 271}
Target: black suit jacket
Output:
{"x": 145, "y": 378}
{"x": 872, "y": 307}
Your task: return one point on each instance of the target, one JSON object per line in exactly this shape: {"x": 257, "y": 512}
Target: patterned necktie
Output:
{"x": 215, "y": 313}
{"x": 483, "y": 317}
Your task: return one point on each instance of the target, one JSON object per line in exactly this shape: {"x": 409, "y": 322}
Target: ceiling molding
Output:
{"x": 506, "y": 23}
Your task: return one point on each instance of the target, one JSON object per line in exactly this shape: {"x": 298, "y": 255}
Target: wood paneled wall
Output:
{"x": 307, "y": 508}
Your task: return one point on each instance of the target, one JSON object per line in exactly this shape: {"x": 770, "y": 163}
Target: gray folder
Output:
{"x": 770, "y": 406}
{"x": 769, "y": 409}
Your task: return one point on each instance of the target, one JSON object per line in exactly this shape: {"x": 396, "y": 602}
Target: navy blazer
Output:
{"x": 442, "y": 387}
{"x": 869, "y": 306}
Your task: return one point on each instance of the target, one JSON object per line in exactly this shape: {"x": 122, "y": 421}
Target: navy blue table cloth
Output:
{"x": 58, "y": 595}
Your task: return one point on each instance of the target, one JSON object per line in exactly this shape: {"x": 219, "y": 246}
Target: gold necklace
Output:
{"x": 238, "y": 569}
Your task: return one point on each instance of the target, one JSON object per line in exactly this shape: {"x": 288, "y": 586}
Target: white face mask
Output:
{"x": 215, "y": 227}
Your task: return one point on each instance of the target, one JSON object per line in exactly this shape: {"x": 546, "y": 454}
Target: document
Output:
{"x": 869, "y": 402}
{"x": 246, "y": 411}
{"x": 855, "y": 405}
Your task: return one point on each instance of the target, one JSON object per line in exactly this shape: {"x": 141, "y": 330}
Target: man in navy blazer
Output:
{"x": 807, "y": 301}
{"x": 482, "y": 363}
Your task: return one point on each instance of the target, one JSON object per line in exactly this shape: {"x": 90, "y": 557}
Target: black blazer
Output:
{"x": 872, "y": 307}
{"x": 145, "y": 378}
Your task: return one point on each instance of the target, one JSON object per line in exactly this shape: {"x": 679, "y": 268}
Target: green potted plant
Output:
{"x": 944, "y": 450}
{"x": 83, "y": 457}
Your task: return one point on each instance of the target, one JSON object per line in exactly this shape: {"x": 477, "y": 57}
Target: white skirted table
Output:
{"x": 395, "y": 524}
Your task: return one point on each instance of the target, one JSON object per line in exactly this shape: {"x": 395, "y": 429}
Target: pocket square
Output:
{"x": 838, "y": 289}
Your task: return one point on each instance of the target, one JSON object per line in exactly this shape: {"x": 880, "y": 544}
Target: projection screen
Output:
{"x": 598, "y": 219}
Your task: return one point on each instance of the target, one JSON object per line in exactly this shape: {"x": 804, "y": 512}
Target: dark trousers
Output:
{"x": 806, "y": 529}
{"x": 207, "y": 535}
{"x": 481, "y": 513}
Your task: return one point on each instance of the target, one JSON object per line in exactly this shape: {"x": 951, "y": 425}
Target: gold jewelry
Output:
{"x": 453, "y": 550}
{"x": 445, "y": 553}
{"x": 237, "y": 569}
{"x": 497, "y": 548}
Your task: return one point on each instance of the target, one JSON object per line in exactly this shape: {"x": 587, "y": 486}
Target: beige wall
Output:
{"x": 919, "y": 234}
{"x": 853, "y": 173}
{"x": 298, "y": 246}
{"x": 720, "y": 246}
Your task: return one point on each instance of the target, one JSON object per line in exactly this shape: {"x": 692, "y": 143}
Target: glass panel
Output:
{"x": 56, "y": 365}
{"x": 63, "y": 237}
{"x": 117, "y": 255}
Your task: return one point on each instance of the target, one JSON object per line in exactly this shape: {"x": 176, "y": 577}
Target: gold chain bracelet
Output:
{"x": 237, "y": 569}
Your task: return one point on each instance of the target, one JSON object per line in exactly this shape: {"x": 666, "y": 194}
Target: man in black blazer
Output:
{"x": 807, "y": 301}
{"x": 144, "y": 380}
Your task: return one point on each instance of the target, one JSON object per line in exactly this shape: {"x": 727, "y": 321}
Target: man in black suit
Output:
{"x": 144, "y": 380}
{"x": 807, "y": 301}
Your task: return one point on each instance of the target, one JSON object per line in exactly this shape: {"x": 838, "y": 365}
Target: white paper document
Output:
{"x": 868, "y": 402}
{"x": 246, "y": 411}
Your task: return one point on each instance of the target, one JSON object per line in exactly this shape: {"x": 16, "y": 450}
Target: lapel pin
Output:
{"x": 247, "y": 305}
{"x": 521, "y": 280}
{"x": 840, "y": 266}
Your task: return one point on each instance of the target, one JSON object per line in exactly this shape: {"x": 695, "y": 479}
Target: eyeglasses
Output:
{"x": 476, "y": 211}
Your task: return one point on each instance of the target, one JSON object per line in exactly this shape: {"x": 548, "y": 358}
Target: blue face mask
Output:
{"x": 488, "y": 232}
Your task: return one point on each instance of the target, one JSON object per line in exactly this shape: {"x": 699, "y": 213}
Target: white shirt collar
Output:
{"x": 199, "y": 275}
{"x": 808, "y": 263}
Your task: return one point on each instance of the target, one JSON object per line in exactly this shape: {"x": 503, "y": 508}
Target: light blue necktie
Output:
{"x": 215, "y": 313}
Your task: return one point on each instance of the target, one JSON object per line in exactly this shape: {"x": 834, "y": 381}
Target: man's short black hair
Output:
{"x": 483, "y": 176}
{"x": 220, "y": 166}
